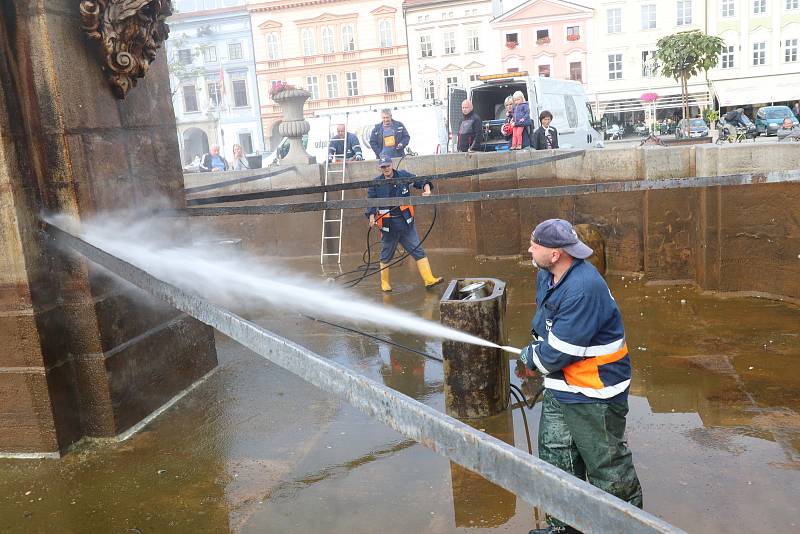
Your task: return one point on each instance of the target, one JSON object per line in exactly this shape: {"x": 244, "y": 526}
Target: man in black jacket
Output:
{"x": 470, "y": 132}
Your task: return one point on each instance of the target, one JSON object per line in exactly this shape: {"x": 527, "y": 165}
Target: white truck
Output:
{"x": 565, "y": 99}
{"x": 426, "y": 124}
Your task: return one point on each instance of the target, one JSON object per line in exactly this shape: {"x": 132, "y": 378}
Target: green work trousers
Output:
{"x": 587, "y": 441}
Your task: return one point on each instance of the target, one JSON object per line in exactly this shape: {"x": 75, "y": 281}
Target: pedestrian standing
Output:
{"x": 470, "y": 131}
{"x": 522, "y": 121}
{"x": 796, "y": 109}
{"x": 579, "y": 347}
{"x": 239, "y": 159}
{"x": 389, "y": 137}
{"x": 546, "y": 136}
{"x": 397, "y": 222}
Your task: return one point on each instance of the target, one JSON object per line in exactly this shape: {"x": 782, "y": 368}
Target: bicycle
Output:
{"x": 728, "y": 134}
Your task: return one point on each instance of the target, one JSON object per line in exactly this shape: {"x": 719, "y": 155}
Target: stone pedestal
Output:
{"x": 476, "y": 379}
{"x": 80, "y": 353}
{"x": 294, "y": 126}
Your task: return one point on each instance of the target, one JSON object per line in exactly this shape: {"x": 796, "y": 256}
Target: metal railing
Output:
{"x": 574, "y": 501}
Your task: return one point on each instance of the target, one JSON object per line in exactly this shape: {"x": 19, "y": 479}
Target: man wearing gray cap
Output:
{"x": 579, "y": 347}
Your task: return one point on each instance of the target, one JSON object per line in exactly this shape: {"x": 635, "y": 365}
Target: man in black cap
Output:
{"x": 397, "y": 222}
{"x": 579, "y": 347}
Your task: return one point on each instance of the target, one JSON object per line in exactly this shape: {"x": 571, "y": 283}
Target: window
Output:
{"x": 728, "y": 8}
{"x": 308, "y": 42}
{"x": 474, "y": 77}
{"x": 614, "y": 66}
{"x": 386, "y": 34}
{"x": 348, "y": 38}
{"x": 790, "y": 51}
{"x": 246, "y": 140}
{"x": 726, "y": 57}
{"x": 473, "y": 40}
{"x": 792, "y": 4}
{"x": 235, "y": 51}
{"x": 351, "y": 80}
{"x": 542, "y": 35}
{"x": 430, "y": 94}
{"x": 327, "y": 40}
{"x": 759, "y": 7}
{"x": 239, "y": 93}
{"x": 544, "y": 71}
{"x": 332, "y": 83}
{"x": 449, "y": 43}
{"x": 214, "y": 93}
{"x": 388, "y": 80}
{"x": 576, "y": 71}
{"x": 209, "y": 54}
{"x": 648, "y": 63}
{"x": 312, "y": 85}
{"x": 425, "y": 48}
{"x": 760, "y": 53}
{"x": 511, "y": 40}
{"x": 573, "y": 33}
{"x": 684, "y": 12}
{"x": 451, "y": 81}
{"x": 614, "y": 20}
{"x": 273, "y": 51}
{"x": 649, "y": 17}
{"x": 189, "y": 99}
{"x": 185, "y": 56}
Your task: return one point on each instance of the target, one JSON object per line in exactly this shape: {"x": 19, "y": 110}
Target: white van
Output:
{"x": 565, "y": 99}
{"x": 426, "y": 124}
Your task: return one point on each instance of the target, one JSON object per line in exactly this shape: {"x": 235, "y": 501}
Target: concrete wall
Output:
{"x": 709, "y": 235}
{"x": 81, "y": 355}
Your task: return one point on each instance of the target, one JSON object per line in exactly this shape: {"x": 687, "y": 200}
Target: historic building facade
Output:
{"x": 450, "y": 44}
{"x": 213, "y": 78}
{"x": 625, "y": 33}
{"x": 759, "y": 62}
{"x": 346, "y": 53}
{"x": 546, "y": 38}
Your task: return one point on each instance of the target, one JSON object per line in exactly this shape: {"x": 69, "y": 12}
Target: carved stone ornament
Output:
{"x": 129, "y": 33}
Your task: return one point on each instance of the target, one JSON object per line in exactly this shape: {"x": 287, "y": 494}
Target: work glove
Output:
{"x": 526, "y": 357}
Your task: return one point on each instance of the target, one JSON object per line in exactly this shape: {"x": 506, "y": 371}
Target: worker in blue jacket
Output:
{"x": 579, "y": 347}
{"x": 389, "y": 137}
{"x": 397, "y": 222}
{"x": 344, "y": 139}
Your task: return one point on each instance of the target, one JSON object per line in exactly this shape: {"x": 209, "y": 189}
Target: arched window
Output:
{"x": 308, "y": 42}
{"x": 348, "y": 38}
{"x": 327, "y": 40}
{"x": 273, "y": 49}
{"x": 386, "y": 34}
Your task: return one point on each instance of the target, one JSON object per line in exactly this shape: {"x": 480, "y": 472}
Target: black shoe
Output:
{"x": 555, "y": 530}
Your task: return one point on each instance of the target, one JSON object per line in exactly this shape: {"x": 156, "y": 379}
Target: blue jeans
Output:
{"x": 400, "y": 232}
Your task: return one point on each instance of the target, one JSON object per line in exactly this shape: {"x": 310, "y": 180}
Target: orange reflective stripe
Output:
{"x": 585, "y": 373}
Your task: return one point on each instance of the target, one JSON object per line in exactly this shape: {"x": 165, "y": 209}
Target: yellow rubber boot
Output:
{"x": 424, "y": 267}
{"x": 385, "y": 278}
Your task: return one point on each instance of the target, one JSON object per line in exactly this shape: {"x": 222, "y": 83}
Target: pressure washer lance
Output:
{"x": 512, "y": 350}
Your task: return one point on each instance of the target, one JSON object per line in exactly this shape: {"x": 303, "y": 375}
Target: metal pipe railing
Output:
{"x": 572, "y": 500}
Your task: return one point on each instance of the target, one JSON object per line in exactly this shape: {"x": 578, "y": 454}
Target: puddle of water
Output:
{"x": 713, "y": 426}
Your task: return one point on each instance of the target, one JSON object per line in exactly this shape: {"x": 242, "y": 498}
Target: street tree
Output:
{"x": 686, "y": 54}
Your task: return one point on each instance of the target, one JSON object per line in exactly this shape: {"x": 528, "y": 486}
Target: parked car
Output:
{"x": 697, "y": 128}
{"x": 769, "y": 119}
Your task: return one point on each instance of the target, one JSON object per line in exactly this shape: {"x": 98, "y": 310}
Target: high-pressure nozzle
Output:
{"x": 512, "y": 350}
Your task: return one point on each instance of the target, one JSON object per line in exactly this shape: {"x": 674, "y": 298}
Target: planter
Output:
{"x": 511, "y": 44}
{"x": 546, "y": 40}
{"x": 573, "y": 37}
{"x": 294, "y": 125}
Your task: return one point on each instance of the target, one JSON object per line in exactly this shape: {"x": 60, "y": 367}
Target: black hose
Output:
{"x": 521, "y": 403}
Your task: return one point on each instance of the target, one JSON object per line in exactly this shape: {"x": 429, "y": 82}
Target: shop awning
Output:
{"x": 758, "y": 90}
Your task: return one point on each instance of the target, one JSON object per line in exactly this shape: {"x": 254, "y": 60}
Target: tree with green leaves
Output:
{"x": 685, "y": 54}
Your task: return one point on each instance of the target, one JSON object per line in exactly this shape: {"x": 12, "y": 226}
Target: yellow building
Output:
{"x": 344, "y": 52}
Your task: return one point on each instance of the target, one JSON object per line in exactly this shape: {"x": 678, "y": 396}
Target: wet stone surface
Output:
{"x": 714, "y": 427}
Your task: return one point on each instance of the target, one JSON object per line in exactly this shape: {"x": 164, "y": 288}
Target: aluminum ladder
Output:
{"x": 332, "y": 225}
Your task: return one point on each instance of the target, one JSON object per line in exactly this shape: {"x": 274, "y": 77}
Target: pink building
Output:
{"x": 546, "y": 38}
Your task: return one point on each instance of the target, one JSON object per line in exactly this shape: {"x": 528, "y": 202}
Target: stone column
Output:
{"x": 294, "y": 125}
{"x": 81, "y": 354}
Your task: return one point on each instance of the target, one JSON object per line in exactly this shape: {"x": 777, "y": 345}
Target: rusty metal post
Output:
{"x": 476, "y": 379}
